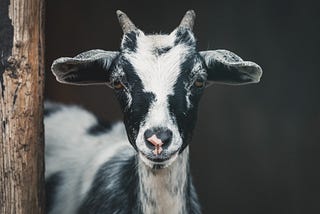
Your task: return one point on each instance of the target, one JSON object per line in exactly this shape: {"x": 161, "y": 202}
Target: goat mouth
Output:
{"x": 158, "y": 161}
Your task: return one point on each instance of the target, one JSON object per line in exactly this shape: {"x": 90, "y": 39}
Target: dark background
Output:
{"x": 255, "y": 148}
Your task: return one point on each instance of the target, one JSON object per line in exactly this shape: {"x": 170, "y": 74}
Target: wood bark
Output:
{"x": 21, "y": 107}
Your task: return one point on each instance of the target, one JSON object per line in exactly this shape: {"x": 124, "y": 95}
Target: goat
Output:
{"x": 158, "y": 80}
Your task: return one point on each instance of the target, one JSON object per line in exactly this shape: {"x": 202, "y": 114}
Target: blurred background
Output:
{"x": 255, "y": 148}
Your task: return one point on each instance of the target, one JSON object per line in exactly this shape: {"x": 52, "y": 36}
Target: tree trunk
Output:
{"x": 21, "y": 107}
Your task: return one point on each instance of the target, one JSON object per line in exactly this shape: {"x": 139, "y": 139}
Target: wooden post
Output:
{"x": 21, "y": 107}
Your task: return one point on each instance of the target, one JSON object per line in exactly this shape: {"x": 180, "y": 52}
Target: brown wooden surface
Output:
{"x": 21, "y": 104}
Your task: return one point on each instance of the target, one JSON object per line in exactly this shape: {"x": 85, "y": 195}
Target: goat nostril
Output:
{"x": 148, "y": 133}
{"x": 165, "y": 136}
{"x": 147, "y": 136}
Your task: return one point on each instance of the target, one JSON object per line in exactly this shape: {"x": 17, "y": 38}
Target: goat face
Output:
{"x": 158, "y": 80}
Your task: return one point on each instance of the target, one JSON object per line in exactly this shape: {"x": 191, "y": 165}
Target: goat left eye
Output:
{"x": 199, "y": 83}
{"x": 118, "y": 85}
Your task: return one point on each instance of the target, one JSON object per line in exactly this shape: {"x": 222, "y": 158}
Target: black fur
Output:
{"x": 185, "y": 117}
{"x": 101, "y": 127}
{"x": 140, "y": 104}
{"x": 192, "y": 201}
{"x": 184, "y": 36}
{"x": 160, "y": 51}
{"x": 114, "y": 189}
{"x": 130, "y": 41}
{"x": 51, "y": 189}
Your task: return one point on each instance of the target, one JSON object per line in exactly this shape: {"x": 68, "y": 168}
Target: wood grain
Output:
{"x": 21, "y": 107}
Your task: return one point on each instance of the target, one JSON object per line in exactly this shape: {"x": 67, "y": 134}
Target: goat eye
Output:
{"x": 199, "y": 83}
{"x": 118, "y": 85}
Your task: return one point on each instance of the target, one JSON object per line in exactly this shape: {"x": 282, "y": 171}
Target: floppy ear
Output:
{"x": 226, "y": 67}
{"x": 91, "y": 67}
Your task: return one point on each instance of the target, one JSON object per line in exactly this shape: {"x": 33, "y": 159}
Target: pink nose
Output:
{"x": 157, "y": 143}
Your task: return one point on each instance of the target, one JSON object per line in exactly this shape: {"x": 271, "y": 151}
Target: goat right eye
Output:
{"x": 199, "y": 83}
{"x": 118, "y": 85}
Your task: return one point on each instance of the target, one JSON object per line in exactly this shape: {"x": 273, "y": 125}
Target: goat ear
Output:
{"x": 91, "y": 67}
{"x": 227, "y": 68}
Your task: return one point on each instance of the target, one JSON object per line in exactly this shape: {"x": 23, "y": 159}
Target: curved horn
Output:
{"x": 188, "y": 20}
{"x": 125, "y": 23}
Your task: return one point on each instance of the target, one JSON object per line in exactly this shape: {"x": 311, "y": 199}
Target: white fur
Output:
{"x": 164, "y": 186}
{"x": 70, "y": 150}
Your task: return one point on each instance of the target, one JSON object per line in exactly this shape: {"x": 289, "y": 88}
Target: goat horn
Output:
{"x": 188, "y": 20}
{"x": 125, "y": 23}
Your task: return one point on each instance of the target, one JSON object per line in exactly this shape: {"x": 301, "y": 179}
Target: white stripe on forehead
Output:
{"x": 158, "y": 73}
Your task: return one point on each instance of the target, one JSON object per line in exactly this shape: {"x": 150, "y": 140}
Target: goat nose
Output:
{"x": 158, "y": 139}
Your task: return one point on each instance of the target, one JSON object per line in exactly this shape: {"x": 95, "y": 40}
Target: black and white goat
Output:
{"x": 158, "y": 80}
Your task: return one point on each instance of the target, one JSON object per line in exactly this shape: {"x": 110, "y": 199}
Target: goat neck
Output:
{"x": 165, "y": 190}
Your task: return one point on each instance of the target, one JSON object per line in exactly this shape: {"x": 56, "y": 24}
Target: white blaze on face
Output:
{"x": 158, "y": 74}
